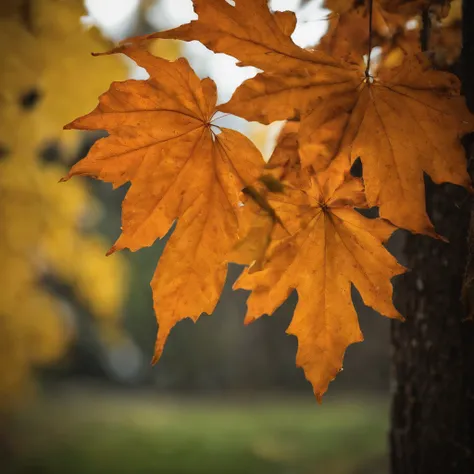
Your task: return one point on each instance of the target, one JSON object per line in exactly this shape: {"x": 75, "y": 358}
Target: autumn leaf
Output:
{"x": 181, "y": 166}
{"x": 392, "y": 128}
{"x": 249, "y": 32}
{"x": 332, "y": 247}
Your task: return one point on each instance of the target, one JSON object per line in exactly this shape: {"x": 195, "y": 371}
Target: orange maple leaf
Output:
{"x": 162, "y": 139}
{"x": 249, "y": 32}
{"x": 331, "y": 246}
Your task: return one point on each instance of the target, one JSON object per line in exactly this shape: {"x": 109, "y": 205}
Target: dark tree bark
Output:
{"x": 433, "y": 351}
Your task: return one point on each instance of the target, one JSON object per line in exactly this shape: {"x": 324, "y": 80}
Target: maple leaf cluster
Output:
{"x": 294, "y": 221}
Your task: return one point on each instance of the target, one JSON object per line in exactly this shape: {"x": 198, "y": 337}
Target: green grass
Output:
{"x": 141, "y": 435}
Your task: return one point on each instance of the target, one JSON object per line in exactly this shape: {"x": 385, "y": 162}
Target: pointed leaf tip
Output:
{"x": 112, "y": 250}
{"x": 117, "y": 49}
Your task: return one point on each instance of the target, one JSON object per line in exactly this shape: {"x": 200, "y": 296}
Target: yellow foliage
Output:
{"x": 51, "y": 55}
{"x": 48, "y": 76}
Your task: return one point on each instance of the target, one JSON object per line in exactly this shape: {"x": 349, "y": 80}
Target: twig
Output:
{"x": 367, "y": 69}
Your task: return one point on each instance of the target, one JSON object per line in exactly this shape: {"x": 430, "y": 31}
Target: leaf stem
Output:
{"x": 367, "y": 69}
{"x": 425, "y": 30}
{"x": 220, "y": 117}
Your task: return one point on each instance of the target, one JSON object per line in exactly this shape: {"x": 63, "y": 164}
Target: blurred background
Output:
{"x": 77, "y": 391}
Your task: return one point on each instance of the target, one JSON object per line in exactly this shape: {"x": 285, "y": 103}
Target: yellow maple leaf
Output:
{"x": 181, "y": 166}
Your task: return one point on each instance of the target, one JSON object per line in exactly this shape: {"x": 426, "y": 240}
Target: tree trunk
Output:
{"x": 433, "y": 351}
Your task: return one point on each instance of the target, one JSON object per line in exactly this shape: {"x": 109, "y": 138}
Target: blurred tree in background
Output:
{"x": 48, "y": 241}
